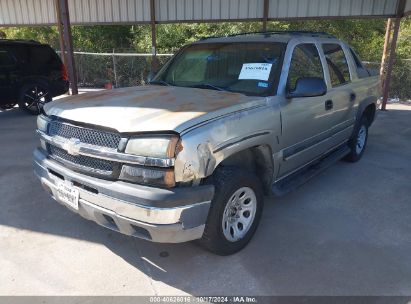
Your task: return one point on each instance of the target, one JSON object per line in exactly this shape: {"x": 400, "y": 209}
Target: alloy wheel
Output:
{"x": 361, "y": 139}
{"x": 239, "y": 214}
{"x": 35, "y": 98}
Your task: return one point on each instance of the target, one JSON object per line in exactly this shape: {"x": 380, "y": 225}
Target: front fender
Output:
{"x": 206, "y": 146}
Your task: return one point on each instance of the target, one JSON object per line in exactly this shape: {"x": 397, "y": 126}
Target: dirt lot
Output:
{"x": 346, "y": 232}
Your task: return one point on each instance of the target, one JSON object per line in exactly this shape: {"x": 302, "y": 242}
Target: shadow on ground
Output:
{"x": 345, "y": 232}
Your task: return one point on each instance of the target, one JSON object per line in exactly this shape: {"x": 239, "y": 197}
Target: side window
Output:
{"x": 362, "y": 72}
{"x": 337, "y": 64}
{"x": 37, "y": 56}
{"x": 5, "y": 58}
{"x": 43, "y": 55}
{"x": 305, "y": 62}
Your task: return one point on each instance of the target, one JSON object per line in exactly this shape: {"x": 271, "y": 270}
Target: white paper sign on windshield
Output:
{"x": 255, "y": 71}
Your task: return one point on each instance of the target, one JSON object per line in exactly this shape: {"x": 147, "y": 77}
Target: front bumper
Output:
{"x": 159, "y": 215}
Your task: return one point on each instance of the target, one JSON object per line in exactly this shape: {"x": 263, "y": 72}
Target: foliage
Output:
{"x": 101, "y": 38}
{"x": 366, "y": 36}
{"x": 44, "y": 34}
{"x": 401, "y": 79}
{"x": 170, "y": 37}
{"x": 404, "y": 39}
{"x": 400, "y": 86}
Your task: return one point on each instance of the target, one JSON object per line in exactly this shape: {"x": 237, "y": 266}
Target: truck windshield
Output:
{"x": 248, "y": 68}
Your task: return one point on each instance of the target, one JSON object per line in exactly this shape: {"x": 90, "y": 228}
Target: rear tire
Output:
{"x": 33, "y": 97}
{"x": 235, "y": 211}
{"x": 358, "y": 141}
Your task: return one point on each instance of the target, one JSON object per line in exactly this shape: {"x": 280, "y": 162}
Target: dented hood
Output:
{"x": 150, "y": 108}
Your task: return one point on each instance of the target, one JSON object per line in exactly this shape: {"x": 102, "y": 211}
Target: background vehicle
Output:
{"x": 31, "y": 74}
{"x": 226, "y": 120}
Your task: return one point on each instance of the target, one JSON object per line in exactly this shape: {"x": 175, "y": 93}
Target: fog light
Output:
{"x": 150, "y": 176}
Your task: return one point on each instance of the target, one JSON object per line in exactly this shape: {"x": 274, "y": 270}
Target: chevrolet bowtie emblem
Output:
{"x": 72, "y": 146}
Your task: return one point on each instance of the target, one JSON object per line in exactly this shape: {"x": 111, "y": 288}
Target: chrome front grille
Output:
{"x": 82, "y": 162}
{"x": 85, "y": 135}
{"x": 94, "y": 137}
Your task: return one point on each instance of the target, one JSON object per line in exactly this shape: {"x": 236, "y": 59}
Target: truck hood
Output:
{"x": 150, "y": 108}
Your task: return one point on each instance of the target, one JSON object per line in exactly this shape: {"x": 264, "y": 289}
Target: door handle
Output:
{"x": 353, "y": 96}
{"x": 328, "y": 104}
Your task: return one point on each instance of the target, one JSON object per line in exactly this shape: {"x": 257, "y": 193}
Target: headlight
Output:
{"x": 42, "y": 123}
{"x": 159, "y": 146}
{"x": 148, "y": 176}
{"x": 157, "y": 149}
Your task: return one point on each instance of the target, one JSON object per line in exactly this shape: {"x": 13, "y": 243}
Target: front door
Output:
{"x": 305, "y": 121}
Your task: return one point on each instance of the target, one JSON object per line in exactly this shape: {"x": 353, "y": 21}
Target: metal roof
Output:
{"x": 42, "y": 12}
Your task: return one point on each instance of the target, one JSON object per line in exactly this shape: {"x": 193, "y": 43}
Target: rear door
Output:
{"x": 341, "y": 92}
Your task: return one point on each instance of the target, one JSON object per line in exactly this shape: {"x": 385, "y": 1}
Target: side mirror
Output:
{"x": 308, "y": 87}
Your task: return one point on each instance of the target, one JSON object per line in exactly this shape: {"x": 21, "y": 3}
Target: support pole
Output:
{"x": 115, "y": 70}
{"x": 60, "y": 28}
{"x": 64, "y": 20}
{"x": 265, "y": 14}
{"x": 385, "y": 51}
{"x": 154, "y": 60}
{"x": 397, "y": 22}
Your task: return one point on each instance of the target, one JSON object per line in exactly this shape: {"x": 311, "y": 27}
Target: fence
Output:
{"x": 400, "y": 86}
{"x": 98, "y": 70}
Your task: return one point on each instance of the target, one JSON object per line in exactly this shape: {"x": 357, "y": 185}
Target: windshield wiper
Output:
{"x": 209, "y": 86}
{"x": 160, "y": 82}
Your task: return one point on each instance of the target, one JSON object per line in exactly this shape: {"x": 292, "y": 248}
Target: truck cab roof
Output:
{"x": 268, "y": 36}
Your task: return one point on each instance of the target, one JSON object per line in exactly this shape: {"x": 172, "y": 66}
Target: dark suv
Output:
{"x": 31, "y": 74}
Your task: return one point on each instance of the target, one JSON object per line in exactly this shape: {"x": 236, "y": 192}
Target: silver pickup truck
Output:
{"x": 225, "y": 121}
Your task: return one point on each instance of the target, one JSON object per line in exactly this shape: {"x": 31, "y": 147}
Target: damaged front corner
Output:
{"x": 206, "y": 160}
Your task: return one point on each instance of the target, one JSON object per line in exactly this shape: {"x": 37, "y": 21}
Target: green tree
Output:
{"x": 404, "y": 39}
{"x": 366, "y": 36}
{"x": 44, "y": 34}
{"x": 101, "y": 38}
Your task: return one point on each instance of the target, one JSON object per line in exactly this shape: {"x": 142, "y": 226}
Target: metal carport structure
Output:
{"x": 92, "y": 12}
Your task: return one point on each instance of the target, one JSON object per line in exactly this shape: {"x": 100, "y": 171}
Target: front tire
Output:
{"x": 33, "y": 97}
{"x": 235, "y": 211}
{"x": 358, "y": 141}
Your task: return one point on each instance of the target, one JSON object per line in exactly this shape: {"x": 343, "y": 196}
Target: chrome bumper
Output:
{"x": 159, "y": 215}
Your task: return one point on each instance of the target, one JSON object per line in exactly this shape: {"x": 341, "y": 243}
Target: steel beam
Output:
{"x": 66, "y": 42}
{"x": 265, "y": 14}
{"x": 154, "y": 60}
{"x": 384, "y": 58}
{"x": 60, "y": 28}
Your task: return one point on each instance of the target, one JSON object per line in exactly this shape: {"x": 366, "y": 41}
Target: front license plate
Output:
{"x": 67, "y": 194}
